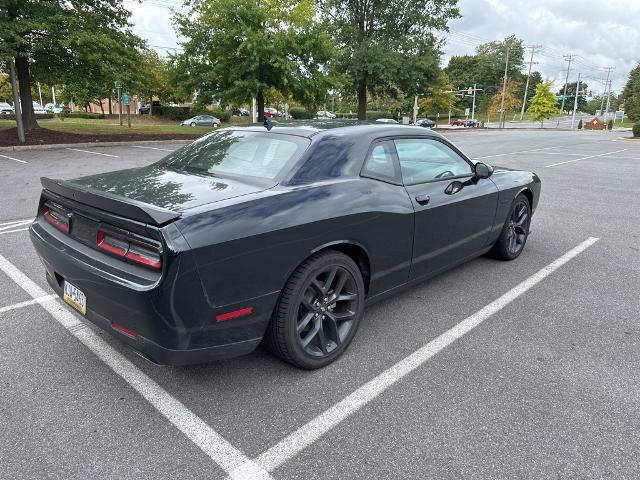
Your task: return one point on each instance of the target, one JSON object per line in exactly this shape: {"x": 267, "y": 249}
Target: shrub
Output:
{"x": 610, "y": 125}
{"x": 223, "y": 115}
{"x": 300, "y": 113}
{"x": 38, "y": 116}
{"x": 174, "y": 113}
{"x": 373, "y": 115}
{"x": 636, "y": 130}
{"x": 98, "y": 116}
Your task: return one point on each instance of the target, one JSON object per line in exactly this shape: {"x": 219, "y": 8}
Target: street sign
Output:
{"x": 466, "y": 112}
{"x": 125, "y": 98}
{"x": 117, "y": 85}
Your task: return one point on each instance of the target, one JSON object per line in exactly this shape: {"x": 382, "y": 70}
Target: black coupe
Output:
{"x": 281, "y": 235}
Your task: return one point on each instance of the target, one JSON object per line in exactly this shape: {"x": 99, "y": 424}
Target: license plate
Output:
{"x": 74, "y": 297}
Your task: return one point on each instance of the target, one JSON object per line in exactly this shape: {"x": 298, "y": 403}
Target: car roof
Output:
{"x": 341, "y": 128}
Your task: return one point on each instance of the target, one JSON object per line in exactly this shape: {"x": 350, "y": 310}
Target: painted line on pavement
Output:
{"x": 95, "y": 153}
{"x": 14, "y": 159}
{"x": 15, "y": 306}
{"x": 15, "y": 223}
{"x": 585, "y": 158}
{"x": 14, "y": 231}
{"x": 154, "y": 148}
{"x": 312, "y": 431}
{"x": 235, "y": 463}
{"x": 513, "y": 153}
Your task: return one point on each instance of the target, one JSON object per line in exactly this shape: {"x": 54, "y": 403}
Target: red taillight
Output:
{"x": 127, "y": 331}
{"x": 136, "y": 250}
{"x": 56, "y": 217}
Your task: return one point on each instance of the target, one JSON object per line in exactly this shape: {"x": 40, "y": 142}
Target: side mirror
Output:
{"x": 483, "y": 170}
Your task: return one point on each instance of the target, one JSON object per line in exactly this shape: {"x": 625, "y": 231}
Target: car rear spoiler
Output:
{"x": 115, "y": 204}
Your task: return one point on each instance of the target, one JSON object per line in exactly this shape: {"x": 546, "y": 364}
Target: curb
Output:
{"x": 630, "y": 139}
{"x": 17, "y": 148}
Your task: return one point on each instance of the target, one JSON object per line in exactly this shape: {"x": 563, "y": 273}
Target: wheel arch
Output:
{"x": 352, "y": 249}
{"x": 527, "y": 192}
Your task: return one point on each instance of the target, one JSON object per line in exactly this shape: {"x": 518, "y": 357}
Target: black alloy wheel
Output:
{"x": 318, "y": 312}
{"x": 515, "y": 231}
{"x": 327, "y": 311}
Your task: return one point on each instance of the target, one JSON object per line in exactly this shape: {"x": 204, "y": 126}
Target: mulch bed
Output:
{"x": 43, "y": 136}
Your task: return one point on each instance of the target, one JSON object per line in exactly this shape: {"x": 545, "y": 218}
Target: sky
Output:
{"x": 599, "y": 33}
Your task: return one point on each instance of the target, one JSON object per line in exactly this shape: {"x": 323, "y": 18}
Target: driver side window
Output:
{"x": 425, "y": 160}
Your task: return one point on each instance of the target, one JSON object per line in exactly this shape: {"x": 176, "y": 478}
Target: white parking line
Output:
{"x": 45, "y": 298}
{"x": 154, "y": 148}
{"x": 293, "y": 444}
{"x": 95, "y": 153}
{"x": 15, "y": 223}
{"x": 585, "y": 158}
{"x": 14, "y": 159}
{"x": 235, "y": 463}
{"x": 513, "y": 153}
{"x": 14, "y": 231}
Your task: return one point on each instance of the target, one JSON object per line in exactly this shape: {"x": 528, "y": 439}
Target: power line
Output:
{"x": 526, "y": 88}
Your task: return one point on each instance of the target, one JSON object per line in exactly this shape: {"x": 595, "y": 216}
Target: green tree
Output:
{"x": 511, "y": 99}
{"x": 65, "y": 41}
{"x": 238, "y": 49}
{"x": 543, "y": 105}
{"x": 5, "y": 88}
{"x": 386, "y": 47}
{"x": 571, "y": 91}
{"x": 631, "y": 94}
{"x": 436, "y": 99}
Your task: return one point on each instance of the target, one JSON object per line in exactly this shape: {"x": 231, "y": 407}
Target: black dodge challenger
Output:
{"x": 280, "y": 234}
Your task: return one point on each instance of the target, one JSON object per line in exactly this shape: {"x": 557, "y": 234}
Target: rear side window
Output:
{"x": 239, "y": 153}
{"x": 425, "y": 160}
{"x": 380, "y": 164}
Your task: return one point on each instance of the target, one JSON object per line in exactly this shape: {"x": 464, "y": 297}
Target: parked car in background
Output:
{"x": 425, "y": 122}
{"x": 6, "y": 109}
{"x": 39, "y": 109}
{"x": 240, "y": 112}
{"x": 203, "y": 120}
{"x": 144, "y": 109}
{"x": 56, "y": 109}
{"x": 272, "y": 112}
{"x": 325, "y": 114}
{"x": 458, "y": 122}
{"x": 386, "y": 120}
{"x": 471, "y": 123}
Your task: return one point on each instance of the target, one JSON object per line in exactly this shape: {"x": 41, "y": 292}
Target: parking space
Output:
{"x": 543, "y": 384}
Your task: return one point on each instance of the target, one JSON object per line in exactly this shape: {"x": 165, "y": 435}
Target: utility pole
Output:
{"x": 575, "y": 102}
{"x": 606, "y": 82}
{"x": 16, "y": 100}
{"x": 568, "y": 57}
{"x": 526, "y": 87}
{"x": 606, "y": 110}
{"x": 53, "y": 94}
{"x": 504, "y": 86}
{"x": 40, "y": 94}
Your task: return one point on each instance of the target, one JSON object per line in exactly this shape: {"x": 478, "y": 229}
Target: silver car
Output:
{"x": 5, "y": 109}
{"x": 203, "y": 120}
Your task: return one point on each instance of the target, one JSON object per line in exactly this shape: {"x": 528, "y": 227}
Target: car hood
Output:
{"x": 162, "y": 187}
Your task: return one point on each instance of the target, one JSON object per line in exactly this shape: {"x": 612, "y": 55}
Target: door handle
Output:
{"x": 423, "y": 199}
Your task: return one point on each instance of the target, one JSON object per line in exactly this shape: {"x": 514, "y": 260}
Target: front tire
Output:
{"x": 193, "y": 124}
{"x": 515, "y": 231}
{"x": 318, "y": 312}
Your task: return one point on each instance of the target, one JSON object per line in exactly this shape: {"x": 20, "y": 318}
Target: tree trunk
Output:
{"x": 151, "y": 105}
{"x": 260, "y": 99}
{"x": 362, "y": 98}
{"x": 26, "y": 101}
{"x": 110, "y": 107}
{"x": 101, "y": 107}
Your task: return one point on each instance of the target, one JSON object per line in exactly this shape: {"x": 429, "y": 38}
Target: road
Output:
{"x": 526, "y": 369}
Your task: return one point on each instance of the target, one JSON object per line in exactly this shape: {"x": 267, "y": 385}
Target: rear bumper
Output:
{"x": 172, "y": 322}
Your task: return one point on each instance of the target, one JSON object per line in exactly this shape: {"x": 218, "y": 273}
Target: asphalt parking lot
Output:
{"x": 526, "y": 369}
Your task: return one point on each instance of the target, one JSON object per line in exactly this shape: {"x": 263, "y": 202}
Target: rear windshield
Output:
{"x": 261, "y": 155}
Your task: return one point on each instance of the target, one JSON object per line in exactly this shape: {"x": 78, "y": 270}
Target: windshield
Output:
{"x": 261, "y": 155}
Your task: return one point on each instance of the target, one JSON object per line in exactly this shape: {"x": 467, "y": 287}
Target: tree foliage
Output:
{"x": 631, "y": 94}
{"x": 571, "y": 91}
{"x": 436, "y": 99}
{"x": 511, "y": 99}
{"x": 385, "y": 48}
{"x": 238, "y": 49}
{"x": 543, "y": 105}
{"x": 83, "y": 44}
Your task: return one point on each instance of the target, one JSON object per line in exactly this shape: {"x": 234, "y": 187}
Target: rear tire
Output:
{"x": 515, "y": 230}
{"x": 318, "y": 312}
